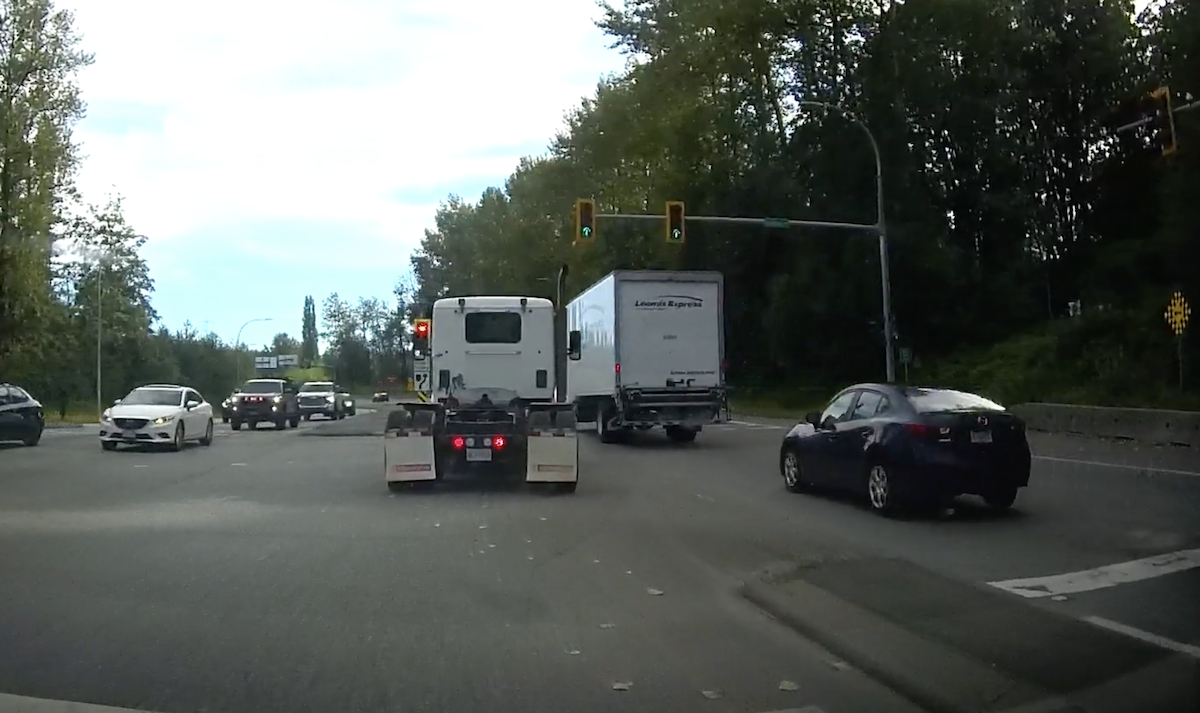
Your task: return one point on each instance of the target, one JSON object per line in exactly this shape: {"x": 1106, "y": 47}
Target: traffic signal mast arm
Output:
{"x": 1162, "y": 116}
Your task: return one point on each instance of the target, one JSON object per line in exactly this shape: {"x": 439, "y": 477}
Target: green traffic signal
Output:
{"x": 675, "y": 222}
{"x": 585, "y": 219}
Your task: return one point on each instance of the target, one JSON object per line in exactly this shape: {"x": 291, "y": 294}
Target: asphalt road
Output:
{"x": 273, "y": 571}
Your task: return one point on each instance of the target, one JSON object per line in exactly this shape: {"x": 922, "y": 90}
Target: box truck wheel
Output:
{"x": 607, "y": 433}
{"x": 681, "y": 434}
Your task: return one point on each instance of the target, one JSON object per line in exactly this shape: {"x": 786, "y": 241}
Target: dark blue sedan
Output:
{"x": 904, "y": 445}
{"x": 21, "y": 416}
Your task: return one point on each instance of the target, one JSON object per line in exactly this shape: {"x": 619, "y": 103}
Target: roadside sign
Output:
{"x": 1178, "y": 313}
{"x": 421, "y": 371}
{"x": 266, "y": 362}
{"x": 288, "y": 360}
{"x": 905, "y": 355}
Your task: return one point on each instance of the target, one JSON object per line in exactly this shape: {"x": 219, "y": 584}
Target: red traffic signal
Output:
{"x": 421, "y": 328}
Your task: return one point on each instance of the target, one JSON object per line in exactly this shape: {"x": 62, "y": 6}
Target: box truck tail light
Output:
{"x": 617, "y": 368}
{"x": 459, "y": 442}
{"x": 724, "y": 365}
{"x": 498, "y": 441}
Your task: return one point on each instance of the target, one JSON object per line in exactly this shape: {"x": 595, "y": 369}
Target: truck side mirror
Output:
{"x": 575, "y": 345}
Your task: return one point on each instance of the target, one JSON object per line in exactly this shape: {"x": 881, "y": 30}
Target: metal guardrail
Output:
{"x": 1176, "y": 428}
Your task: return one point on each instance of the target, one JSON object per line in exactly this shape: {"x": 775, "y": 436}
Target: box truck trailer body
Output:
{"x": 652, "y": 347}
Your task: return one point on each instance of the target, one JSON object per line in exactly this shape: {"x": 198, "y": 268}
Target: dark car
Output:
{"x": 21, "y": 416}
{"x": 272, "y": 400}
{"x": 227, "y": 405}
{"x": 904, "y": 445}
{"x": 349, "y": 405}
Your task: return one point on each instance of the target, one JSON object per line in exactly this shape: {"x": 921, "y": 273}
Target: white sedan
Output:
{"x": 158, "y": 414}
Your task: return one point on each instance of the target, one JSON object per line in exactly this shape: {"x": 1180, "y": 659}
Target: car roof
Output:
{"x": 160, "y": 387}
{"x": 251, "y": 381}
{"x": 318, "y": 382}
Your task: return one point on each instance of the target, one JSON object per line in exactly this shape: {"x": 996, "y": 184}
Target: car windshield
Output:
{"x": 943, "y": 400}
{"x": 262, "y": 387}
{"x": 153, "y": 397}
{"x": 320, "y": 387}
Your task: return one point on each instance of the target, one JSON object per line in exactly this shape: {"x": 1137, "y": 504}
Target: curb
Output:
{"x": 933, "y": 676}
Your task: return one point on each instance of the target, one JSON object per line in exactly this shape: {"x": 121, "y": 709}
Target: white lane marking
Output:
{"x": 1102, "y": 577}
{"x": 753, "y": 424}
{"x": 1146, "y": 636}
{"x": 24, "y": 704}
{"x": 1101, "y": 464}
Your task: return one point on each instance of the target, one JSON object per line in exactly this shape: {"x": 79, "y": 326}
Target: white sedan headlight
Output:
{"x": 106, "y": 417}
{"x": 163, "y": 420}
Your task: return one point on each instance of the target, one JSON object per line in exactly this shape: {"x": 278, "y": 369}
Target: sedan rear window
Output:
{"x": 943, "y": 400}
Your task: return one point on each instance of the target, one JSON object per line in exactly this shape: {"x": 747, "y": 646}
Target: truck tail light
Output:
{"x": 459, "y": 442}
{"x": 498, "y": 442}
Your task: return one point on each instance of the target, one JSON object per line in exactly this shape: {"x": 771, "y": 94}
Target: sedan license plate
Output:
{"x": 479, "y": 455}
{"x": 981, "y": 436}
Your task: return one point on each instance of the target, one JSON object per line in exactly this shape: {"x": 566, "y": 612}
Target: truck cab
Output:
{"x": 492, "y": 404}
{"x": 501, "y": 343}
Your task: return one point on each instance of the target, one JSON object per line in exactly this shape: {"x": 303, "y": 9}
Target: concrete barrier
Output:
{"x": 1177, "y": 428}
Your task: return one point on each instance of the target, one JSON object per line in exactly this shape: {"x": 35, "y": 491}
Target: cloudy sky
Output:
{"x": 273, "y": 148}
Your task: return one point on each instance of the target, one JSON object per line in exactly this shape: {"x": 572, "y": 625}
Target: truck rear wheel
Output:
{"x": 607, "y": 433}
{"x": 681, "y": 434}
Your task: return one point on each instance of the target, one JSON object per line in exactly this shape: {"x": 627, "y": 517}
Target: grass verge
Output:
{"x": 75, "y": 415}
{"x": 791, "y": 404}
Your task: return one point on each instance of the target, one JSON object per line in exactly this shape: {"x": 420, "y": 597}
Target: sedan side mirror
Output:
{"x": 192, "y": 404}
{"x": 813, "y": 418}
{"x": 237, "y": 391}
{"x": 116, "y": 402}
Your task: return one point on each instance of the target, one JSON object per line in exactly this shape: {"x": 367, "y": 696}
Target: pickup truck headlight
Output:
{"x": 330, "y": 399}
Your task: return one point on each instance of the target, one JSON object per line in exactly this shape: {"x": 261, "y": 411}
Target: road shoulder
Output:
{"x": 952, "y": 647}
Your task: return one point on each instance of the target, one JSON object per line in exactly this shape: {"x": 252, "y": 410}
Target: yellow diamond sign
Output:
{"x": 1177, "y": 314}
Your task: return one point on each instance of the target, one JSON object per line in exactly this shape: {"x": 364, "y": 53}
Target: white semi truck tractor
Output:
{"x": 493, "y": 406}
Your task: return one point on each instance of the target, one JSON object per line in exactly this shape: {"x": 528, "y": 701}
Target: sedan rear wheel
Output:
{"x": 1001, "y": 498}
{"x": 880, "y": 490}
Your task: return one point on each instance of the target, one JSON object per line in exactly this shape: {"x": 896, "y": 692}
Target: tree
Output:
{"x": 1006, "y": 192}
{"x": 40, "y": 58}
{"x": 309, "y": 349}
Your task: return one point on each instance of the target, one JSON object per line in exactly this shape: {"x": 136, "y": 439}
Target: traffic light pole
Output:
{"x": 782, "y": 223}
{"x": 1150, "y": 119}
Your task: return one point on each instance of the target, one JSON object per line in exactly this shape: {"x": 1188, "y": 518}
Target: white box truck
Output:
{"x": 651, "y": 347}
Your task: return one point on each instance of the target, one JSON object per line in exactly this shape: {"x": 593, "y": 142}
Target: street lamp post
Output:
{"x": 101, "y": 258}
{"x": 880, "y": 231}
{"x": 237, "y": 343}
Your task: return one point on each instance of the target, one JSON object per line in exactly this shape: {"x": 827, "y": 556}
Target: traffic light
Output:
{"x": 585, "y": 219}
{"x": 676, "y": 230}
{"x": 1162, "y": 122}
{"x": 420, "y": 337}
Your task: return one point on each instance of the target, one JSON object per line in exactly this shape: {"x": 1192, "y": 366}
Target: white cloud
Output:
{"x": 288, "y": 110}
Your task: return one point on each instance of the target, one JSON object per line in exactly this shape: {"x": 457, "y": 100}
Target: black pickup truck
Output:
{"x": 272, "y": 400}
